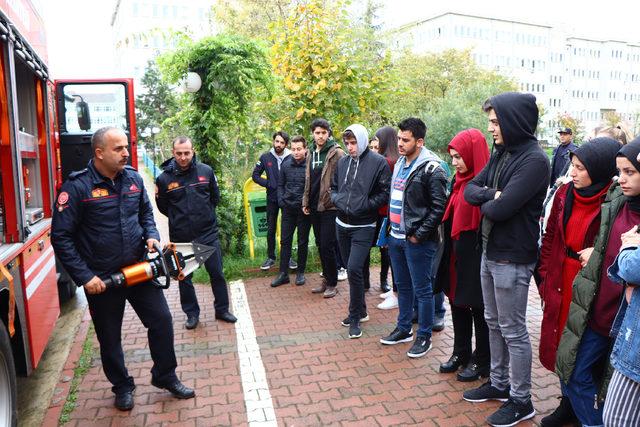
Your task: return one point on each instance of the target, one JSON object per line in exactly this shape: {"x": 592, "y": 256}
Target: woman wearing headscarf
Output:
{"x": 572, "y": 227}
{"x": 459, "y": 269}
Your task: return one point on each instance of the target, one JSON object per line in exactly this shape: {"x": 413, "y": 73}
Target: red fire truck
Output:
{"x": 45, "y": 133}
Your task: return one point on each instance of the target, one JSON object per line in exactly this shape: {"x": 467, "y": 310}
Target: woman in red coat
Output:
{"x": 459, "y": 270}
{"x": 572, "y": 227}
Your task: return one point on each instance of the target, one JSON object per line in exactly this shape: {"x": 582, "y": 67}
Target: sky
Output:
{"x": 80, "y": 43}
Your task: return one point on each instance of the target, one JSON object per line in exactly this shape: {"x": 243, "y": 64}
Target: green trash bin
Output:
{"x": 258, "y": 207}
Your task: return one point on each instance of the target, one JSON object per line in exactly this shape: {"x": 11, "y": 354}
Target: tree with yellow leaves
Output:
{"x": 327, "y": 67}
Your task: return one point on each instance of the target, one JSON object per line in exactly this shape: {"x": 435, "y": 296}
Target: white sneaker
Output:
{"x": 342, "y": 274}
{"x": 390, "y": 303}
{"x": 386, "y": 294}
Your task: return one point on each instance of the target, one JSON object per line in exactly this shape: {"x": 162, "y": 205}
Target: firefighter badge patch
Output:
{"x": 63, "y": 198}
{"x": 99, "y": 192}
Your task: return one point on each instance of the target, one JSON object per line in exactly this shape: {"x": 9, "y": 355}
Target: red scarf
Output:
{"x": 473, "y": 149}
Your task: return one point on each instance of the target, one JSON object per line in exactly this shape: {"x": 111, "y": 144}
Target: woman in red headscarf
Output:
{"x": 459, "y": 269}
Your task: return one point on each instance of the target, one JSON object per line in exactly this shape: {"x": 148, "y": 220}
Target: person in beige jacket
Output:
{"x": 322, "y": 161}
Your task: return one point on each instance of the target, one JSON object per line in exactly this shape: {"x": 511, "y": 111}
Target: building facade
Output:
{"x": 582, "y": 77}
{"x": 140, "y": 29}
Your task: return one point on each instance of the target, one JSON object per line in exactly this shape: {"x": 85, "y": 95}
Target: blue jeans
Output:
{"x": 581, "y": 388}
{"x": 411, "y": 265}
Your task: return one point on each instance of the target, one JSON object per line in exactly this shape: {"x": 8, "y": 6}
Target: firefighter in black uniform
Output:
{"x": 187, "y": 192}
{"x": 103, "y": 221}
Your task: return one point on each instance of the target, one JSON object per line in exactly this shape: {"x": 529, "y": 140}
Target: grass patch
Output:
{"x": 82, "y": 367}
{"x": 241, "y": 266}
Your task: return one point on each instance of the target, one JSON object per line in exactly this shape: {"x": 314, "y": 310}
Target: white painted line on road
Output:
{"x": 257, "y": 398}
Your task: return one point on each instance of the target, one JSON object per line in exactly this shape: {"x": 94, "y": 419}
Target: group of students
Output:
{"x": 477, "y": 238}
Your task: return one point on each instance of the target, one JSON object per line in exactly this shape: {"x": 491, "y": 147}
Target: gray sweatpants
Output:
{"x": 505, "y": 288}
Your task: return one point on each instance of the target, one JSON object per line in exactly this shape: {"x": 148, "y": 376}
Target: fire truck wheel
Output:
{"x": 8, "y": 399}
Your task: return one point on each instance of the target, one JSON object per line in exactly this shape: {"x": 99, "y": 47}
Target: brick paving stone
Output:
{"x": 316, "y": 375}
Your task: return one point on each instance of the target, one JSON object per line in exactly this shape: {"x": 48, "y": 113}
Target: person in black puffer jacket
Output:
{"x": 290, "y": 191}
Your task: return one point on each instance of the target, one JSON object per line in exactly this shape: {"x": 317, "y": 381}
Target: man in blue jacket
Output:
{"x": 270, "y": 163}
{"x": 103, "y": 221}
{"x": 510, "y": 191}
{"x": 187, "y": 193}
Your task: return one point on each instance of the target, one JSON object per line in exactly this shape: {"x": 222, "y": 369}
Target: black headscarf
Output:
{"x": 599, "y": 158}
{"x": 631, "y": 152}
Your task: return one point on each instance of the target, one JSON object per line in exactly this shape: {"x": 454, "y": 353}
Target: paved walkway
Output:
{"x": 288, "y": 360}
{"x": 315, "y": 374}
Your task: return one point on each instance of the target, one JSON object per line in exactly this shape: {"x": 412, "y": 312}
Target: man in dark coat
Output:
{"x": 560, "y": 157}
{"x": 187, "y": 193}
{"x": 270, "y": 163}
{"x": 510, "y": 191}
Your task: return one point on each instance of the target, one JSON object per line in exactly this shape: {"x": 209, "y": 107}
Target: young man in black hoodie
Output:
{"x": 290, "y": 190}
{"x": 270, "y": 163}
{"x": 510, "y": 191}
{"x": 358, "y": 189}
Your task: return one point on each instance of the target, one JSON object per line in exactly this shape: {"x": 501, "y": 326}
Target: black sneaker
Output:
{"x": 472, "y": 372}
{"x": 292, "y": 264}
{"x": 354, "y": 330}
{"x": 420, "y": 347}
{"x": 347, "y": 320}
{"x": 486, "y": 392}
{"x": 396, "y": 337}
{"x": 511, "y": 413}
{"x": 562, "y": 416}
{"x": 267, "y": 264}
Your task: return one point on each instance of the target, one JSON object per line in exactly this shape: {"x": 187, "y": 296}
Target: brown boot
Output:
{"x": 320, "y": 288}
{"x": 330, "y": 292}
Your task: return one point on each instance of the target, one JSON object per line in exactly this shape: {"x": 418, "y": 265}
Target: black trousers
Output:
{"x": 385, "y": 261}
{"x": 464, "y": 320}
{"x": 272, "y": 221}
{"x": 292, "y": 219}
{"x": 324, "y": 230}
{"x": 213, "y": 265}
{"x": 151, "y": 307}
{"x": 355, "y": 244}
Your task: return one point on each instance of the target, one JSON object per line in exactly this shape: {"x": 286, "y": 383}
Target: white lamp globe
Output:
{"x": 192, "y": 82}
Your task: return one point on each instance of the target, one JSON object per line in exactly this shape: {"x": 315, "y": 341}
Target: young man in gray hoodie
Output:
{"x": 358, "y": 189}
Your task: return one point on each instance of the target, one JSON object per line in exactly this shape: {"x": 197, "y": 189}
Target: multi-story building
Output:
{"x": 585, "y": 78}
{"x": 139, "y": 29}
